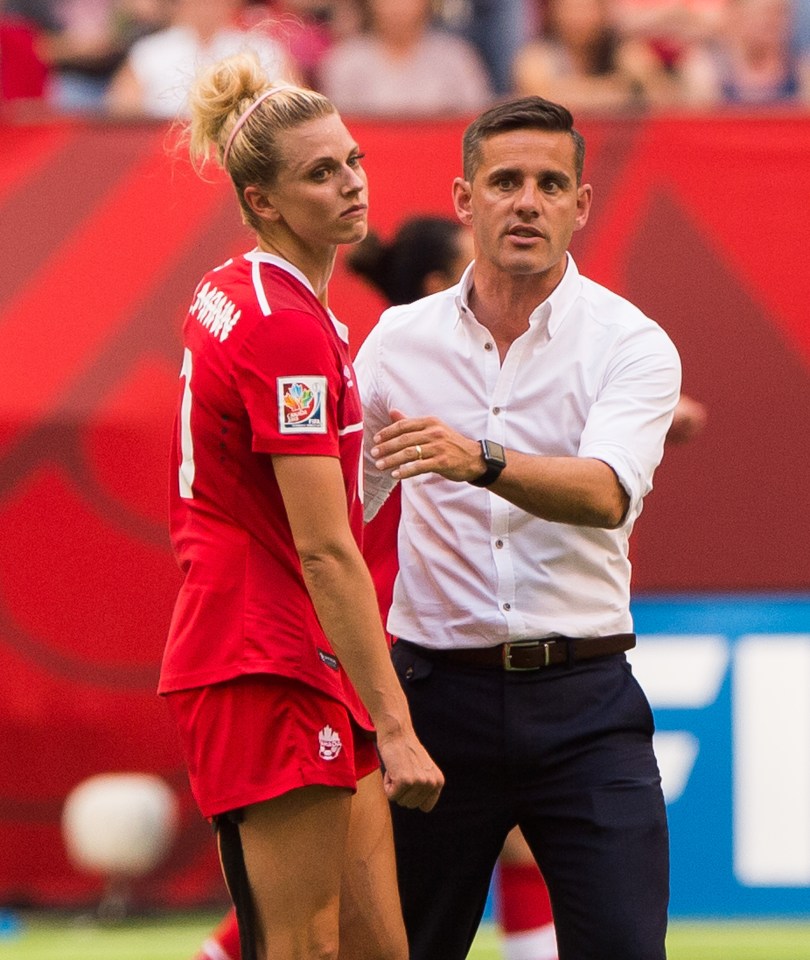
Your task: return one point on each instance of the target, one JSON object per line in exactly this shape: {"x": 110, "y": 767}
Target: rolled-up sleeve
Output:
{"x": 628, "y": 423}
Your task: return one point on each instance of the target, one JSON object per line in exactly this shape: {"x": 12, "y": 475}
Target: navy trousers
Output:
{"x": 565, "y": 753}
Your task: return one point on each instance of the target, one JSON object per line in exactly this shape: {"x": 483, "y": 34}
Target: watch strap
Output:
{"x": 495, "y": 461}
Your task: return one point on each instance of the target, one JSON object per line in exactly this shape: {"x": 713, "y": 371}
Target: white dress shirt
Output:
{"x": 591, "y": 377}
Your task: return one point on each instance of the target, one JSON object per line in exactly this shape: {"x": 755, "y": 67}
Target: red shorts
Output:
{"x": 258, "y": 736}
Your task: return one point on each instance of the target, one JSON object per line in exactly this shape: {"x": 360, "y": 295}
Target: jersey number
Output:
{"x": 186, "y": 472}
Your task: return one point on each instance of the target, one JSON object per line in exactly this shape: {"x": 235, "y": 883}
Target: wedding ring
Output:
{"x": 418, "y": 451}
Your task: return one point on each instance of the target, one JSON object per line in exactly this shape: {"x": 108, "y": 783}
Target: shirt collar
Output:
{"x": 562, "y": 297}
{"x": 552, "y": 310}
{"x": 462, "y": 298}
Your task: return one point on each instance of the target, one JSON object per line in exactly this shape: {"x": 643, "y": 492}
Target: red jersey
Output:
{"x": 266, "y": 370}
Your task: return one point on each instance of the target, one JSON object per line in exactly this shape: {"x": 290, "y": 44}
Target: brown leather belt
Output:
{"x": 531, "y": 654}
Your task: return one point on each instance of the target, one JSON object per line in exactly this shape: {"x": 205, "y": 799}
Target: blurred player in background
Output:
{"x": 276, "y": 668}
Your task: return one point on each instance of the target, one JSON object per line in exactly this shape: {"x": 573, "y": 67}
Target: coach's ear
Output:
{"x": 462, "y": 197}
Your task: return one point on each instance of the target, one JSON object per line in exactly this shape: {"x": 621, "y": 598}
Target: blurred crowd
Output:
{"x": 413, "y": 58}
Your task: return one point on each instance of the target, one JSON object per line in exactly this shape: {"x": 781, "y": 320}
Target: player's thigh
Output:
{"x": 294, "y": 848}
{"x": 371, "y": 926}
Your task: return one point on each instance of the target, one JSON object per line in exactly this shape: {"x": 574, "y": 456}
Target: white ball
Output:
{"x": 119, "y": 823}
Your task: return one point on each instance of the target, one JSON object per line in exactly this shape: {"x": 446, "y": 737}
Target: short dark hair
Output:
{"x": 533, "y": 113}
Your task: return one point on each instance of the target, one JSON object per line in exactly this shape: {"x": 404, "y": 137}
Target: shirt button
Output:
{"x": 507, "y": 606}
{"x": 488, "y": 346}
{"x": 499, "y": 544}
{"x": 496, "y": 410}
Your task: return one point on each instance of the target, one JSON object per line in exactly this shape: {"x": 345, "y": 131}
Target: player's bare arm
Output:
{"x": 342, "y": 593}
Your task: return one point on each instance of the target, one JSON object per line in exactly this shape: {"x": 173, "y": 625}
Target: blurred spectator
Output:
{"x": 670, "y": 27}
{"x": 497, "y": 28}
{"x": 583, "y": 62}
{"x": 306, "y": 28}
{"x": 22, "y": 72}
{"x": 753, "y": 61}
{"x": 155, "y": 77}
{"x": 83, "y": 42}
{"x": 402, "y": 66}
{"x": 801, "y": 25}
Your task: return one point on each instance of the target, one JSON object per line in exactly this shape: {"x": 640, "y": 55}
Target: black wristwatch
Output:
{"x": 495, "y": 459}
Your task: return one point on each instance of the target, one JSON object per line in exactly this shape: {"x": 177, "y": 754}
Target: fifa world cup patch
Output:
{"x": 301, "y": 404}
{"x": 330, "y": 743}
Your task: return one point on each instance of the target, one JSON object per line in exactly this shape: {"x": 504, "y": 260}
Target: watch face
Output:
{"x": 493, "y": 452}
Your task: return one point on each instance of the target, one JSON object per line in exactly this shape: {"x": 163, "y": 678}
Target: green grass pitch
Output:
{"x": 43, "y": 937}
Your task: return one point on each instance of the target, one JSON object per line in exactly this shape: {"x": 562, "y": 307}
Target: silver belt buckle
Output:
{"x": 507, "y": 654}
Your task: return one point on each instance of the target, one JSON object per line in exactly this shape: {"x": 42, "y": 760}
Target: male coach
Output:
{"x": 525, "y": 411}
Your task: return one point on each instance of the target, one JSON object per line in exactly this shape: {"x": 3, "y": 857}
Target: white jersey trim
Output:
{"x": 258, "y": 289}
{"x": 351, "y": 428}
{"x": 257, "y": 257}
{"x": 340, "y": 328}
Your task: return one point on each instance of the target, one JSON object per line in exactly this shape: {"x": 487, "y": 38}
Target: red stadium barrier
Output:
{"x": 699, "y": 221}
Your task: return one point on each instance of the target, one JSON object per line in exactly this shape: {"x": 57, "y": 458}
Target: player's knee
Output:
{"x": 393, "y": 951}
{"x": 318, "y": 951}
{"x": 306, "y": 944}
{"x": 378, "y": 944}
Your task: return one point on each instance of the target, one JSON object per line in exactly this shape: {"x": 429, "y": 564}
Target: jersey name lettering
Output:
{"x": 215, "y": 311}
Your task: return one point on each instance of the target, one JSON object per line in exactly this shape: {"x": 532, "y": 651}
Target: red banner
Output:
{"x": 105, "y": 235}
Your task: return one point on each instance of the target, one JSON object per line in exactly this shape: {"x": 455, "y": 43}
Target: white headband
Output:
{"x": 241, "y": 121}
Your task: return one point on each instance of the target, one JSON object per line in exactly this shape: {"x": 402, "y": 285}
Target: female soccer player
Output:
{"x": 276, "y": 666}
